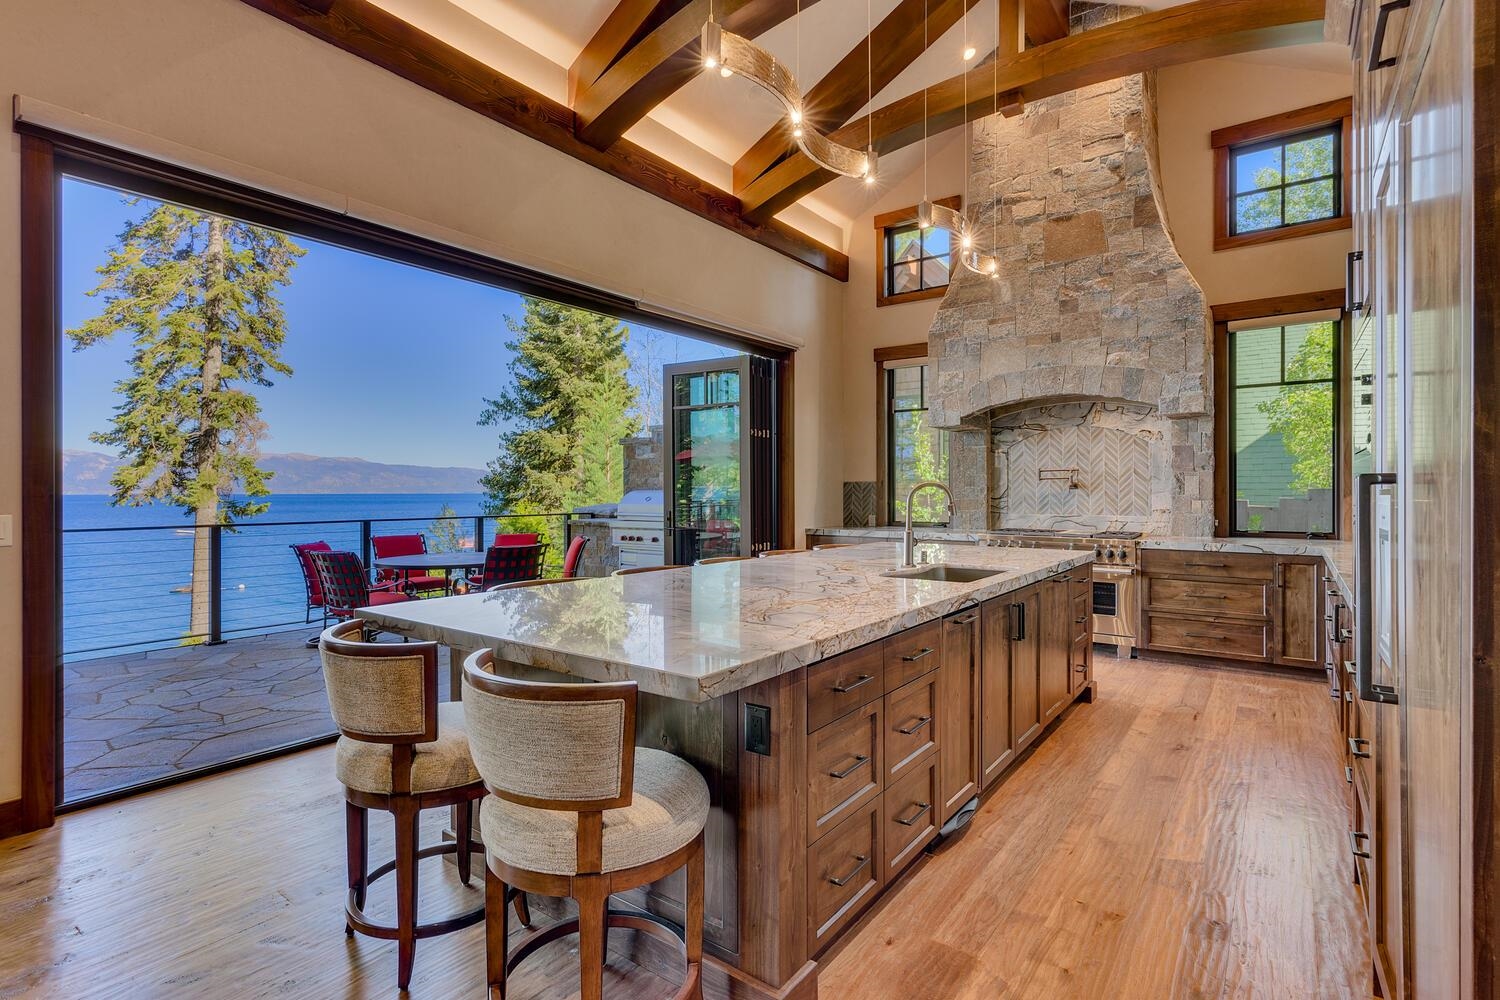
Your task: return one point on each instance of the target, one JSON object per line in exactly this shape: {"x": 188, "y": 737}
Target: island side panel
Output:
{"x": 772, "y": 841}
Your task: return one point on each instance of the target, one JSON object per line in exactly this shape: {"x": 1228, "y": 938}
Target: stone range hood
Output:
{"x": 1090, "y": 349}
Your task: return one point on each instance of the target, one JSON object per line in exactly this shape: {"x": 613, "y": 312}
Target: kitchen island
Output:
{"x": 842, "y": 715}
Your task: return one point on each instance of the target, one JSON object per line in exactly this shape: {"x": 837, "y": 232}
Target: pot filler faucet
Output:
{"x": 908, "y": 542}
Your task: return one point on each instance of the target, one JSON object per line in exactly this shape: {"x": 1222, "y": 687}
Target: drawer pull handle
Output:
{"x": 923, "y": 653}
{"x": 1081, "y": 668}
{"x": 1080, "y": 621}
{"x": 1208, "y": 565}
{"x": 863, "y": 859}
{"x": 1349, "y": 697}
{"x": 859, "y": 682}
{"x": 916, "y": 727}
{"x": 1354, "y": 747}
{"x": 966, "y": 620}
{"x": 1204, "y": 635}
{"x": 911, "y": 820}
{"x": 1349, "y": 774}
{"x": 1349, "y": 667}
{"x": 1355, "y": 836}
{"x": 860, "y": 760}
{"x": 1378, "y": 59}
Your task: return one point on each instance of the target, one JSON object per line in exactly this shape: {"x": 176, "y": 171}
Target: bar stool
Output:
{"x": 577, "y": 809}
{"x": 400, "y": 751}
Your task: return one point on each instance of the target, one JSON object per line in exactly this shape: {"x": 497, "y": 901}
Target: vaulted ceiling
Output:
{"x": 620, "y": 84}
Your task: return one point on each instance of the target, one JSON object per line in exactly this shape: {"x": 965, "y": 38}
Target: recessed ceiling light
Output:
{"x": 970, "y": 53}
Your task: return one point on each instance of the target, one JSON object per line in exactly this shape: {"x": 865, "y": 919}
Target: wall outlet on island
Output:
{"x": 758, "y": 729}
{"x": 870, "y": 521}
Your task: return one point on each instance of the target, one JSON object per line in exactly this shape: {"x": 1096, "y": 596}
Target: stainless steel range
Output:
{"x": 1117, "y": 603}
{"x": 638, "y": 529}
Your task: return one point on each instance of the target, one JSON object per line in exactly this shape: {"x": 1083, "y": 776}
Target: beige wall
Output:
{"x": 1192, "y": 101}
{"x": 223, "y": 78}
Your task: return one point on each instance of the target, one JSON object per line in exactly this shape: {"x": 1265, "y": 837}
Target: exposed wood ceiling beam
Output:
{"x": 1011, "y": 29}
{"x": 363, "y": 29}
{"x": 1204, "y": 29}
{"x": 657, "y": 65}
{"x": 627, "y": 24}
{"x": 899, "y": 39}
{"x": 1046, "y": 21}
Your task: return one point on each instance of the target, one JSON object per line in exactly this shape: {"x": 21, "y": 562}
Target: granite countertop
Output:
{"x": 1338, "y": 556}
{"x": 702, "y": 632}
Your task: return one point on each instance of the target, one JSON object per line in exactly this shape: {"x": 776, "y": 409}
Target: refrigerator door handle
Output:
{"x": 1364, "y": 648}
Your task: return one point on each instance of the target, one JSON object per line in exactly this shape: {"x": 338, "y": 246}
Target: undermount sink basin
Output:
{"x": 947, "y": 574}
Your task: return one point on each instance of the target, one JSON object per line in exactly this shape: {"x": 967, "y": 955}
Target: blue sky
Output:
{"x": 390, "y": 362}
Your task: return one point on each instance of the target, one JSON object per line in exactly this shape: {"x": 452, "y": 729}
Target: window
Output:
{"x": 1283, "y": 428}
{"x": 1281, "y": 177}
{"x": 912, "y": 263}
{"x": 913, "y": 450}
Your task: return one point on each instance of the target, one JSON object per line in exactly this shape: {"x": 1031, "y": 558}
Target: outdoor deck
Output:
{"x": 132, "y": 718}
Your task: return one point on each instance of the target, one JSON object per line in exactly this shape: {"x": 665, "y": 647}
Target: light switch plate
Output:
{"x": 5, "y": 531}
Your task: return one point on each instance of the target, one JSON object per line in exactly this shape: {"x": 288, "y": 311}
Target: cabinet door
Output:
{"x": 958, "y": 688}
{"x": 1025, "y": 665}
{"x": 997, "y": 743}
{"x": 1299, "y": 603}
{"x": 1054, "y": 627}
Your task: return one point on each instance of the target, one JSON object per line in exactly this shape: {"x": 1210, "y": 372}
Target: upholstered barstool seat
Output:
{"x": 668, "y": 810}
{"x": 437, "y": 766}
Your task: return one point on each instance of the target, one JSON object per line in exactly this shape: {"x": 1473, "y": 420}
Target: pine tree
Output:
{"x": 446, "y": 533}
{"x": 199, "y": 293}
{"x": 568, "y": 409}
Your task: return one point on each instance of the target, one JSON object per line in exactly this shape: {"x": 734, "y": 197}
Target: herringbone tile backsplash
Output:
{"x": 859, "y": 504}
{"x": 1114, "y": 468}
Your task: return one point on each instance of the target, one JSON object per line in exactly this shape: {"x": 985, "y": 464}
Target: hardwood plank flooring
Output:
{"x": 1183, "y": 836}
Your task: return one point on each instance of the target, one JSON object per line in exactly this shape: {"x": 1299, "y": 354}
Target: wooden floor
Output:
{"x": 1181, "y": 837}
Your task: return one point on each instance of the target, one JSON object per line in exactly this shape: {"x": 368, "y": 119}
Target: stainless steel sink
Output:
{"x": 943, "y": 573}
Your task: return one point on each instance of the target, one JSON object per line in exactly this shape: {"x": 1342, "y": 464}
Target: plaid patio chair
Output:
{"x": 405, "y": 545}
{"x": 341, "y": 575}
{"x": 504, "y": 563}
{"x": 310, "y": 577}
{"x": 517, "y": 538}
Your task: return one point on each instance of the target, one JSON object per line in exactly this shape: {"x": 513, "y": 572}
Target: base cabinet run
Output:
{"x": 905, "y": 732}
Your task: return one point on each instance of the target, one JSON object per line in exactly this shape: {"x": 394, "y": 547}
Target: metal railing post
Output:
{"x": 215, "y": 585}
{"x": 479, "y": 545}
{"x": 364, "y": 543}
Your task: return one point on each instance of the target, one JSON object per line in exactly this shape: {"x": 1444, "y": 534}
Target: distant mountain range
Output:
{"x": 90, "y": 471}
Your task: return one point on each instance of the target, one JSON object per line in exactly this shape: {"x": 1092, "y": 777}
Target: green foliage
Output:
{"x": 199, "y": 294}
{"x": 929, "y": 460}
{"x": 1303, "y": 414}
{"x": 446, "y": 532}
{"x": 568, "y": 408}
{"x": 1304, "y": 202}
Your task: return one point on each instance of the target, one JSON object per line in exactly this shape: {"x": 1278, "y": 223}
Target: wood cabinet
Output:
{"x": 1054, "y": 642}
{"x": 997, "y": 732}
{"x": 1233, "y": 605}
{"x": 958, "y": 712}
{"x": 1025, "y": 669}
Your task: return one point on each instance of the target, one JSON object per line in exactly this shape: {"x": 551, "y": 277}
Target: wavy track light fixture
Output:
{"x": 726, "y": 51}
{"x": 968, "y": 253}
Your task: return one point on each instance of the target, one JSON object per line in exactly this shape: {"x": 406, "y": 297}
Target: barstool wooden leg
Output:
{"x": 406, "y": 889}
{"x": 523, "y": 909}
{"x": 464, "y": 832}
{"x": 356, "y": 827}
{"x": 592, "y": 900}
{"x": 496, "y": 933}
{"x": 694, "y": 918}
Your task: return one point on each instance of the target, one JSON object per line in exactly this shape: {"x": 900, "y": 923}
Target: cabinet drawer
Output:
{"x": 842, "y": 683}
{"x": 1238, "y": 640}
{"x": 1360, "y": 754}
{"x": 1210, "y": 597}
{"x": 912, "y": 653}
{"x": 910, "y": 815}
{"x": 844, "y": 872}
{"x": 911, "y": 726}
{"x": 845, "y": 768}
{"x": 1214, "y": 565}
{"x": 1081, "y": 613}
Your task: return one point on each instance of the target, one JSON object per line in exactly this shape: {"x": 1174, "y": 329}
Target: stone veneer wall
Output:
{"x": 1092, "y": 302}
{"x": 643, "y": 460}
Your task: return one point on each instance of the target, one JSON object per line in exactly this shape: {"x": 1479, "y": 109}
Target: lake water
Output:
{"x": 127, "y": 586}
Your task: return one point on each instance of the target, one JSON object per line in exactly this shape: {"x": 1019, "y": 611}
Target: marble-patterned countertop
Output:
{"x": 1337, "y": 556}
{"x": 702, "y": 632}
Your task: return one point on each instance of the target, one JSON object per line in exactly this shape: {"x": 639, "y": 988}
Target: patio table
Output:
{"x": 426, "y": 562}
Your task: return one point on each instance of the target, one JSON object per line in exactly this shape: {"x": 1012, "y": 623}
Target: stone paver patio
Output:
{"x": 136, "y": 717}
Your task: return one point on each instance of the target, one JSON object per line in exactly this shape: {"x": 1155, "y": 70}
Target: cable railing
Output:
{"x": 132, "y": 587}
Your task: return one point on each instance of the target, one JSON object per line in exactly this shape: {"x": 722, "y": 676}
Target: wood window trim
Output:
{"x": 883, "y": 356}
{"x": 1338, "y": 112}
{"x": 904, "y": 217}
{"x": 1281, "y": 305}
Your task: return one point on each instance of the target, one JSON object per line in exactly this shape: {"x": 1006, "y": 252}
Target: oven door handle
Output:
{"x": 1114, "y": 570}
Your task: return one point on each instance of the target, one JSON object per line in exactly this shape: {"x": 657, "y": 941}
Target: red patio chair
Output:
{"x": 345, "y": 586}
{"x": 504, "y": 563}
{"x": 517, "y": 538}
{"x": 405, "y": 545}
{"x": 574, "y": 556}
{"x": 310, "y": 577}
